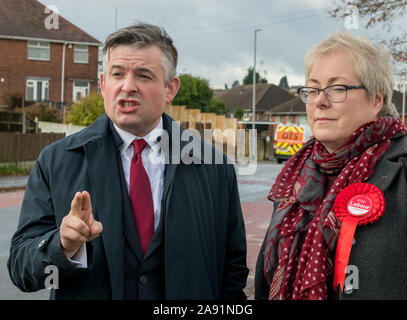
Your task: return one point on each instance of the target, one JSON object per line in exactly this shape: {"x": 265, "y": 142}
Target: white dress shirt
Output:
{"x": 154, "y": 164}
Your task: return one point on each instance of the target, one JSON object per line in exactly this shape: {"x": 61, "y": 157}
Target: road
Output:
{"x": 253, "y": 190}
{"x": 9, "y": 212}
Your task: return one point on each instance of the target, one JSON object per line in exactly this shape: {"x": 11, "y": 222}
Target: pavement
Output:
{"x": 257, "y": 210}
{"x": 12, "y": 183}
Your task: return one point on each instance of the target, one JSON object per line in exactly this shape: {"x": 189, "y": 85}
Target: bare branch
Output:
{"x": 377, "y": 12}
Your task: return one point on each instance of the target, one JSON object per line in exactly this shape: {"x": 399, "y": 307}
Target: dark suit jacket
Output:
{"x": 204, "y": 234}
{"x": 379, "y": 251}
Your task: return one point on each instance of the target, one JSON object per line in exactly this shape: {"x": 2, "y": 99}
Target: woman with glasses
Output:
{"x": 350, "y": 174}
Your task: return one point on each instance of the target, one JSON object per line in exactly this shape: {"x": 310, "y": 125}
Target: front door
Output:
{"x": 80, "y": 90}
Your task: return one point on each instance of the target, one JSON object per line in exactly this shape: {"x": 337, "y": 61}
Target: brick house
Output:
{"x": 44, "y": 57}
{"x": 268, "y": 96}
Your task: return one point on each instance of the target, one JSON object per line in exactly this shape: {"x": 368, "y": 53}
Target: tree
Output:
{"x": 42, "y": 112}
{"x": 87, "y": 110}
{"x": 378, "y": 12}
{"x": 248, "y": 79}
{"x": 283, "y": 83}
{"x": 216, "y": 106}
{"x": 195, "y": 93}
{"x": 238, "y": 113}
{"x": 235, "y": 83}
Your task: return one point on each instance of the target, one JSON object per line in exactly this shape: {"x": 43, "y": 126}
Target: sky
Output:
{"x": 215, "y": 39}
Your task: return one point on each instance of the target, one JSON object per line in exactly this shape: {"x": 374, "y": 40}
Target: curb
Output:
{"x": 11, "y": 189}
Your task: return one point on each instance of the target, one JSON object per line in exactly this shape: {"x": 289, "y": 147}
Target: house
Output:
{"x": 268, "y": 96}
{"x": 43, "y": 56}
{"x": 291, "y": 111}
{"x": 397, "y": 100}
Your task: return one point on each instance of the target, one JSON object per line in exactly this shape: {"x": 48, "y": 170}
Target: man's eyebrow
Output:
{"x": 143, "y": 69}
{"x": 117, "y": 66}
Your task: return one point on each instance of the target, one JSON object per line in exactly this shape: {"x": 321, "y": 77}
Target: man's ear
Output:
{"x": 172, "y": 89}
{"x": 102, "y": 83}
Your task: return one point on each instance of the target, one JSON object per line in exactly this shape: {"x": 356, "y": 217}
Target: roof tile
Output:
{"x": 26, "y": 18}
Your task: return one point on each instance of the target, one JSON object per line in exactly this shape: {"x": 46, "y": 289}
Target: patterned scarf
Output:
{"x": 304, "y": 229}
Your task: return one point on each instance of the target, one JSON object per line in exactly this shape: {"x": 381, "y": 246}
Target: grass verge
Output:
{"x": 13, "y": 170}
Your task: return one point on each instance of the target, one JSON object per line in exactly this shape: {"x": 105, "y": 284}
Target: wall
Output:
{"x": 14, "y": 68}
{"x": 51, "y": 127}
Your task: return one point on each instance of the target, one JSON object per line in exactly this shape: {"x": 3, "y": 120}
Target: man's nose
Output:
{"x": 129, "y": 85}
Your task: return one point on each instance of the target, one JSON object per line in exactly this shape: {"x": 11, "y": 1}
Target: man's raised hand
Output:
{"x": 79, "y": 226}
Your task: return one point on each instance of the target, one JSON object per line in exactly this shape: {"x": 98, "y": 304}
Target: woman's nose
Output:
{"x": 321, "y": 101}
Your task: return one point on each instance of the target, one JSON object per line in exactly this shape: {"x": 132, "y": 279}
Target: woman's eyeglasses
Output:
{"x": 334, "y": 93}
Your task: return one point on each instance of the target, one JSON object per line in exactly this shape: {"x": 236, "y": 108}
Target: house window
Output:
{"x": 38, "y": 50}
{"x": 81, "y": 54}
{"x": 37, "y": 90}
{"x": 80, "y": 90}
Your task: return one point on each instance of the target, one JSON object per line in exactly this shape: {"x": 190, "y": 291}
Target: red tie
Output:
{"x": 141, "y": 197}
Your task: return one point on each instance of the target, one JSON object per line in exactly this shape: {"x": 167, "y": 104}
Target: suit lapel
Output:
{"x": 176, "y": 155}
{"x": 104, "y": 173}
{"x": 169, "y": 174}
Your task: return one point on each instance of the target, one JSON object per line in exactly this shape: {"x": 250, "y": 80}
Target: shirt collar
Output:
{"x": 151, "y": 138}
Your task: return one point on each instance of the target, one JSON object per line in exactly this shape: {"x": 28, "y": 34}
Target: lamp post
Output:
{"x": 254, "y": 80}
{"x": 115, "y": 18}
{"x": 63, "y": 75}
{"x": 254, "y": 142}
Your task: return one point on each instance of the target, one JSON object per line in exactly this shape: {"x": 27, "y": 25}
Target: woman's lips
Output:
{"x": 324, "y": 120}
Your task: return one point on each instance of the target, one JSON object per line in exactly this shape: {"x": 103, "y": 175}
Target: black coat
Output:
{"x": 379, "y": 250}
{"x": 205, "y": 244}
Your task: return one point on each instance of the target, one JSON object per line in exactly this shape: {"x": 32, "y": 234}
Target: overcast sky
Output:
{"x": 215, "y": 38}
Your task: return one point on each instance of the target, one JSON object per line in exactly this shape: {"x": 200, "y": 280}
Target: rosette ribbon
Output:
{"x": 356, "y": 205}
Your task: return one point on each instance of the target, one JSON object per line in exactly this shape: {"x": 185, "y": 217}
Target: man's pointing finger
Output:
{"x": 86, "y": 204}
{"x": 76, "y": 204}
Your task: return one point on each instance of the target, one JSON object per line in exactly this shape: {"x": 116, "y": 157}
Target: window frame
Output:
{"x": 33, "y": 83}
{"x": 39, "y": 45}
{"x": 74, "y": 92}
{"x": 76, "y": 48}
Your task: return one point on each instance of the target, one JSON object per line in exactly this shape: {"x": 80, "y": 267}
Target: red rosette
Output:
{"x": 352, "y": 191}
{"x": 357, "y": 204}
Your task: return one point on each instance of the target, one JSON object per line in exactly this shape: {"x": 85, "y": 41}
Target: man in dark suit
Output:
{"x": 149, "y": 225}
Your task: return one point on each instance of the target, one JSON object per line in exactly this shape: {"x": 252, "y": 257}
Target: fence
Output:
{"x": 195, "y": 119}
{"x": 18, "y": 147}
{"x": 221, "y": 126}
{"x": 14, "y": 122}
